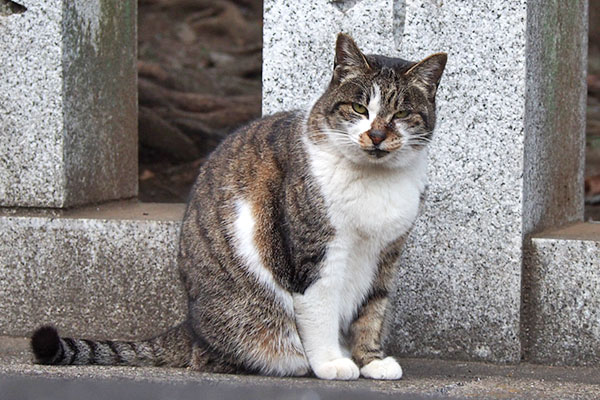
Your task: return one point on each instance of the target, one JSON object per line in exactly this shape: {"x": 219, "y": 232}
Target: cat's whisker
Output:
{"x": 421, "y": 141}
{"x": 410, "y": 145}
{"x": 336, "y": 145}
{"x": 424, "y": 138}
{"x": 328, "y": 135}
{"x": 426, "y": 135}
{"x": 335, "y": 133}
{"x": 345, "y": 137}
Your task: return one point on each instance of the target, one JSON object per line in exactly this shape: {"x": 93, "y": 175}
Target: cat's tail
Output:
{"x": 172, "y": 348}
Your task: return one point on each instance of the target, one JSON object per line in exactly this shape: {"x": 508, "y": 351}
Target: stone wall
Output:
{"x": 505, "y": 160}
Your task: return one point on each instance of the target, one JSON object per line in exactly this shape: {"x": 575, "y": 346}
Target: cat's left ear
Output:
{"x": 429, "y": 71}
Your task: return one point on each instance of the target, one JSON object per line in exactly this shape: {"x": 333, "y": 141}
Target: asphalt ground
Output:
{"x": 20, "y": 379}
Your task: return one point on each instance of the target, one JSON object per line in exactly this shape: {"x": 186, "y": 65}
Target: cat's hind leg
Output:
{"x": 365, "y": 335}
{"x": 237, "y": 307}
{"x": 247, "y": 337}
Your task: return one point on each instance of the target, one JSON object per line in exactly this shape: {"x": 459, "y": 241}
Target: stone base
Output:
{"x": 424, "y": 379}
{"x": 102, "y": 272}
{"x": 561, "y": 303}
{"x": 110, "y": 272}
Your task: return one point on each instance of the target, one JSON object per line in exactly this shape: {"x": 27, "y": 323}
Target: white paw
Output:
{"x": 388, "y": 368}
{"x": 341, "y": 368}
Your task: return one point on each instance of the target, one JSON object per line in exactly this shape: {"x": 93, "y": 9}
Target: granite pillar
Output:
{"x": 499, "y": 114}
{"x": 68, "y": 102}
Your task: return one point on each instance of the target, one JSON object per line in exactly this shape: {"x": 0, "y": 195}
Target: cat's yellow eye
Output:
{"x": 359, "y": 108}
{"x": 402, "y": 114}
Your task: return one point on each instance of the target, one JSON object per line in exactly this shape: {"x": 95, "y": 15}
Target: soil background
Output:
{"x": 199, "y": 72}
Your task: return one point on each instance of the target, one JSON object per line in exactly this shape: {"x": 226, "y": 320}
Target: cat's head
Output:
{"x": 377, "y": 110}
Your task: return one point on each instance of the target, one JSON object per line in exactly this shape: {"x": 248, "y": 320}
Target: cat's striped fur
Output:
{"x": 289, "y": 242}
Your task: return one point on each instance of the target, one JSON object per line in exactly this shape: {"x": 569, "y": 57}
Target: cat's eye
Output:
{"x": 402, "y": 114}
{"x": 359, "y": 108}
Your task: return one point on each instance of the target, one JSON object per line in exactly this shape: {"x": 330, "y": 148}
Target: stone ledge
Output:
{"x": 589, "y": 231}
{"x": 561, "y": 307}
{"x": 104, "y": 271}
{"x": 121, "y": 210}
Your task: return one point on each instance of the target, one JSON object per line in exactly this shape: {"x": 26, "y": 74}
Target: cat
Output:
{"x": 290, "y": 239}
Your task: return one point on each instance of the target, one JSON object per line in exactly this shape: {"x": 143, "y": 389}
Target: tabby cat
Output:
{"x": 289, "y": 242}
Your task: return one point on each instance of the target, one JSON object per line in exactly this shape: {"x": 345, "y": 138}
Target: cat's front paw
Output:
{"x": 341, "y": 368}
{"x": 388, "y": 368}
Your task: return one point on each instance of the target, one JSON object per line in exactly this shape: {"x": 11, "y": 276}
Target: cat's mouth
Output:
{"x": 378, "y": 153}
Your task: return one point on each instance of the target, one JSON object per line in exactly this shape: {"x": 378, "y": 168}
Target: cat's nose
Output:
{"x": 377, "y": 136}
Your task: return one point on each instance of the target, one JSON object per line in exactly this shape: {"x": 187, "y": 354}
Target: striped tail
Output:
{"x": 173, "y": 348}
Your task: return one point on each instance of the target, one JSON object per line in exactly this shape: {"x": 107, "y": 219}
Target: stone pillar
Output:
{"x": 68, "y": 102}
{"x": 68, "y": 136}
{"x": 561, "y": 303}
{"x": 505, "y": 160}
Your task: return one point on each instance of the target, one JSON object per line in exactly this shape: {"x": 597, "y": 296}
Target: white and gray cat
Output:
{"x": 289, "y": 242}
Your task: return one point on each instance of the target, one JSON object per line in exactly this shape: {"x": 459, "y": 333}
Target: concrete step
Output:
{"x": 424, "y": 379}
{"x": 561, "y": 282}
{"x": 109, "y": 271}
{"x": 103, "y": 271}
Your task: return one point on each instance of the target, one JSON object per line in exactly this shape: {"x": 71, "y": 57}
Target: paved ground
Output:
{"x": 424, "y": 379}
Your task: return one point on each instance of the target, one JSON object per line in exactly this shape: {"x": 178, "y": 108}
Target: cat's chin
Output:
{"x": 382, "y": 159}
{"x": 377, "y": 153}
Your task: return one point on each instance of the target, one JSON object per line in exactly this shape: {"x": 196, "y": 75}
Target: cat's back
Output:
{"x": 260, "y": 151}
{"x": 243, "y": 181}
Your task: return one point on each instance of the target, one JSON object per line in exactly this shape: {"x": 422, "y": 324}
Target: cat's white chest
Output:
{"x": 372, "y": 207}
{"x": 372, "y": 204}
{"x": 369, "y": 209}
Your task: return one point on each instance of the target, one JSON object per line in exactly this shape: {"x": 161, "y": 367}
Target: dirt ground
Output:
{"x": 200, "y": 77}
{"x": 199, "y": 73}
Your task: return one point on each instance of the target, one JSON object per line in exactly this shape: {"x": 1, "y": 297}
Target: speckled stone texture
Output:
{"x": 68, "y": 101}
{"x": 459, "y": 286}
{"x": 298, "y": 42}
{"x": 459, "y": 289}
{"x": 107, "y": 273}
{"x": 562, "y": 306}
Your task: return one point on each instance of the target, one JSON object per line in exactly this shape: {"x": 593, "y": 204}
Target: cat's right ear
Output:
{"x": 349, "y": 60}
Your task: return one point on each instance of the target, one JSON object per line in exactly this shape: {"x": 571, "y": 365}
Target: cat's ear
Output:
{"x": 429, "y": 71}
{"x": 348, "y": 54}
{"x": 349, "y": 60}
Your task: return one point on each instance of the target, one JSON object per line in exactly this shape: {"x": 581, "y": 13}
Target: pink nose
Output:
{"x": 377, "y": 136}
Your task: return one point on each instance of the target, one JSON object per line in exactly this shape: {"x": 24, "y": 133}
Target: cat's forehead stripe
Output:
{"x": 374, "y": 101}
{"x": 389, "y": 96}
